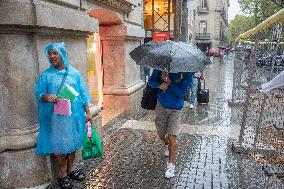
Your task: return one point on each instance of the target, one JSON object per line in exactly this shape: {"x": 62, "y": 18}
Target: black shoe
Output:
{"x": 64, "y": 182}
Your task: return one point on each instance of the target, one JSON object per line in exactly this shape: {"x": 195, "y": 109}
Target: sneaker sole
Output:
{"x": 169, "y": 177}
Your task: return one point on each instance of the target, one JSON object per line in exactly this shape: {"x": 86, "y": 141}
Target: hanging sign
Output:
{"x": 161, "y": 36}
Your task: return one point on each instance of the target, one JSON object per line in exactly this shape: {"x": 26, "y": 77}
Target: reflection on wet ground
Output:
{"x": 134, "y": 154}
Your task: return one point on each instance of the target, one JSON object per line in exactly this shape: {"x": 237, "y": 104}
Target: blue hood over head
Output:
{"x": 60, "y": 48}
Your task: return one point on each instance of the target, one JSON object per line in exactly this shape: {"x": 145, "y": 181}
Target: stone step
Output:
{"x": 227, "y": 132}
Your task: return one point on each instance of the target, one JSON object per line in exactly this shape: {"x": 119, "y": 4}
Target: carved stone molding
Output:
{"x": 17, "y": 139}
{"x": 95, "y": 110}
{"x": 121, "y": 5}
{"x": 43, "y": 14}
{"x": 124, "y": 90}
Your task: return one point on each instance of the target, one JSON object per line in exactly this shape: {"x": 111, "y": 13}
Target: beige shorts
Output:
{"x": 167, "y": 120}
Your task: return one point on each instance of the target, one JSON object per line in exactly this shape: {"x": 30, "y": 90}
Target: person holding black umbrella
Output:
{"x": 172, "y": 88}
{"x": 176, "y": 62}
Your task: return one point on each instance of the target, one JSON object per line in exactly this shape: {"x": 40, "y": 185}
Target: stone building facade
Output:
{"x": 26, "y": 27}
{"x": 210, "y": 19}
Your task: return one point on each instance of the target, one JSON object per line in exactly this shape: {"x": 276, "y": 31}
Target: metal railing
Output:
{"x": 202, "y": 36}
{"x": 201, "y": 9}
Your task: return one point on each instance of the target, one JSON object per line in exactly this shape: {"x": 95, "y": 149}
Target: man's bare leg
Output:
{"x": 172, "y": 148}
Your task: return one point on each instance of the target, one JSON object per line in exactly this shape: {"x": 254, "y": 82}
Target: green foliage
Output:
{"x": 256, "y": 11}
{"x": 259, "y": 9}
{"x": 238, "y": 26}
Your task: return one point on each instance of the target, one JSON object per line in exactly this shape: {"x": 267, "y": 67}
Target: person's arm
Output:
{"x": 84, "y": 92}
{"x": 41, "y": 92}
{"x": 180, "y": 89}
{"x": 88, "y": 114}
{"x": 86, "y": 98}
{"x": 153, "y": 82}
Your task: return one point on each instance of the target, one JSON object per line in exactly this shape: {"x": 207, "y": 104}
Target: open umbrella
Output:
{"x": 212, "y": 50}
{"x": 171, "y": 56}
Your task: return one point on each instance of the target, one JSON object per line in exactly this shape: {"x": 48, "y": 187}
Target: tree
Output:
{"x": 239, "y": 25}
{"x": 260, "y": 9}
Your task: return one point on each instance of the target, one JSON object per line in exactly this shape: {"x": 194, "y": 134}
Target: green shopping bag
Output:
{"x": 92, "y": 144}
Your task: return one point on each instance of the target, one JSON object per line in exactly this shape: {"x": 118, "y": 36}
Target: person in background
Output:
{"x": 222, "y": 53}
{"x": 227, "y": 53}
{"x": 61, "y": 135}
{"x": 172, "y": 88}
{"x": 193, "y": 88}
{"x": 207, "y": 52}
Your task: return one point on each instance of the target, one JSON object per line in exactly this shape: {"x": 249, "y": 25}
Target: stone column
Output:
{"x": 122, "y": 82}
{"x": 26, "y": 27}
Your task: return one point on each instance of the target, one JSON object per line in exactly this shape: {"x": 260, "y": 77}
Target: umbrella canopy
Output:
{"x": 212, "y": 50}
{"x": 172, "y": 56}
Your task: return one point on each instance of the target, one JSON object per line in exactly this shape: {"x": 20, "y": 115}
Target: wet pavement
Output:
{"x": 134, "y": 155}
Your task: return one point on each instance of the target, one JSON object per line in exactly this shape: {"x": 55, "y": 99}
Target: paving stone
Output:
{"x": 271, "y": 170}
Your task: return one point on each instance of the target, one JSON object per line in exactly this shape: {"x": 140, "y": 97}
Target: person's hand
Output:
{"x": 49, "y": 98}
{"x": 88, "y": 114}
{"x": 88, "y": 117}
{"x": 202, "y": 75}
{"x": 166, "y": 79}
{"x": 164, "y": 86}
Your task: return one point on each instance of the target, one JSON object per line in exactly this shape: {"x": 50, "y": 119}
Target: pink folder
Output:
{"x": 63, "y": 107}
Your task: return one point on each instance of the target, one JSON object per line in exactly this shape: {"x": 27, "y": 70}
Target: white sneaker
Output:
{"x": 191, "y": 106}
{"x": 166, "y": 150}
{"x": 170, "y": 172}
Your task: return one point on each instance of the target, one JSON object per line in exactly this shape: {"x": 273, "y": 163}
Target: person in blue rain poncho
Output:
{"x": 61, "y": 135}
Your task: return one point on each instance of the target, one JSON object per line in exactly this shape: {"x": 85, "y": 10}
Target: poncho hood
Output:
{"x": 60, "y": 48}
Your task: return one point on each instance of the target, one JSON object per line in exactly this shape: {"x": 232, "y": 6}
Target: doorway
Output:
{"x": 95, "y": 69}
{"x": 107, "y": 66}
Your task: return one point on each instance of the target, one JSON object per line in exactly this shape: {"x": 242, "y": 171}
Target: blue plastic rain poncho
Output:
{"x": 60, "y": 134}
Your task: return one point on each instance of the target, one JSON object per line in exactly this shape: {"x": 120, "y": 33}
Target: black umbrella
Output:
{"x": 171, "y": 56}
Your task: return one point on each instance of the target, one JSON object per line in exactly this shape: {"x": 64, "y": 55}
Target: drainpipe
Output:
{"x": 184, "y": 22}
{"x": 177, "y": 19}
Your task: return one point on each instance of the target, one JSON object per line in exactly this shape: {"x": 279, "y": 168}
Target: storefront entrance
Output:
{"x": 114, "y": 80}
{"x": 95, "y": 69}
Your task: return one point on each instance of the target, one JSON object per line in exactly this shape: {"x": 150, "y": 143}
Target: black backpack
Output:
{"x": 149, "y": 98}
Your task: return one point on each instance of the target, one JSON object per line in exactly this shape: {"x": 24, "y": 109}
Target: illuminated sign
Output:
{"x": 161, "y": 36}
